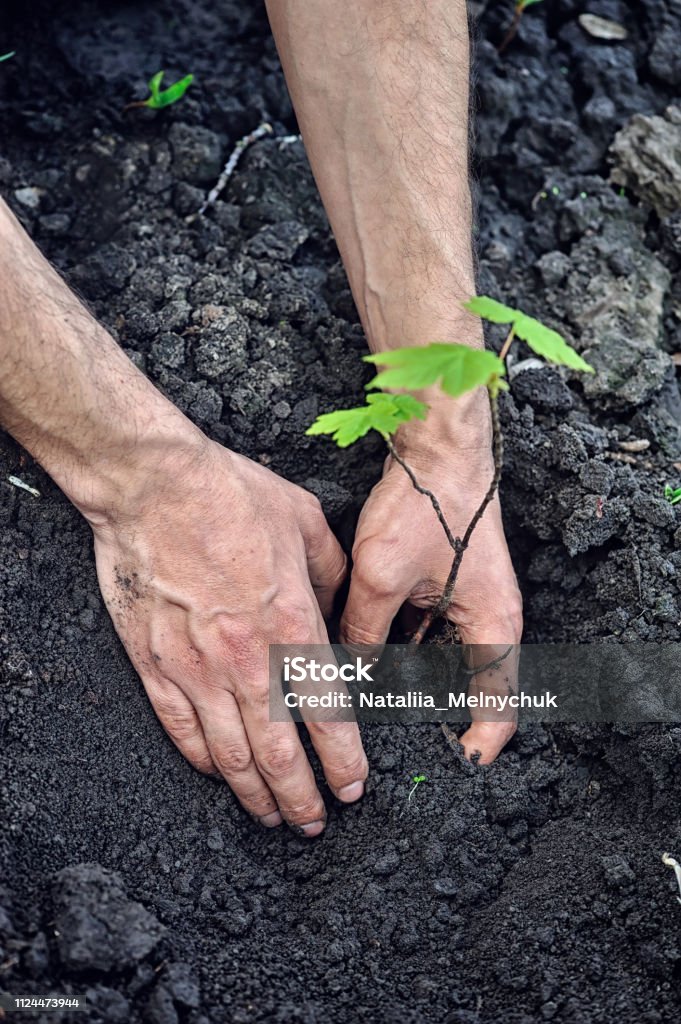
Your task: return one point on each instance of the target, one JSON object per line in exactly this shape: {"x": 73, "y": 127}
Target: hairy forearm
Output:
{"x": 381, "y": 90}
{"x": 68, "y": 393}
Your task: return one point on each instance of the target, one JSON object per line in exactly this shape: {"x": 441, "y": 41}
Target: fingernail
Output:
{"x": 310, "y": 830}
{"x": 348, "y": 794}
{"x": 271, "y": 820}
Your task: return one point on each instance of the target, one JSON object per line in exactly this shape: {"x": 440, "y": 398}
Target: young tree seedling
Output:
{"x": 672, "y": 494}
{"x": 159, "y": 97}
{"x": 457, "y": 369}
{"x": 671, "y": 863}
{"x": 6, "y": 56}
{"x": 520, "y": 8}
{"x": 417, "y": 780}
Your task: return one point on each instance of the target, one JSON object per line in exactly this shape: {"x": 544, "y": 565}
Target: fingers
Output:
{"x": 231, "y": 753}
{"x": 494, "y": 634}
{"x": 340, "y": 750}
{"x": 326, "y": 561}
{"x": 487, "y": 739}
{"x": 179, "y": 719}
{"x": 373, "y": 602}
{"x": 282, "y": 763}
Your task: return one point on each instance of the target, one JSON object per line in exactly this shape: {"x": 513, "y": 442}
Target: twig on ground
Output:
{"x": 230, "y": 167}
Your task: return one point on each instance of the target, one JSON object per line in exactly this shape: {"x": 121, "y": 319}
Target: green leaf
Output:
{"x": 542, "y": 340}
{"x": 490, "y": 309}
{"x": 672, "y": 494}
{"x": 382, "y": 412}
{"x": 6, "y": 56}
{"x": 458, "y": 368}
{"x": 164, "y": 97}
{"x": 155, "y": 85}
{"x": 528, "y": 3}
{"x": 549, "y": 344}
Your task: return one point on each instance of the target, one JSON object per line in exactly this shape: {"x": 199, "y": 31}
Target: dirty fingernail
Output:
{"x": 350, "y": 793}
{"x": 311, "y": 829}
{"x": 271, "y": 820}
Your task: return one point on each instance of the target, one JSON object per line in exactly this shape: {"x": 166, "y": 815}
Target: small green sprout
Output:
{"x": 6, "y": 56}
{"x": 159, "y": 97}
{"x": 672, "y": 494}
{"x": 417, "y": 780}
{"x": 457, "y": 369}
{"x": 520, "y": 8}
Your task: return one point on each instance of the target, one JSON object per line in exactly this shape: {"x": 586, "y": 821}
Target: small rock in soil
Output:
{"x": 647, "y": 154}
{"x": 98, "y": 927}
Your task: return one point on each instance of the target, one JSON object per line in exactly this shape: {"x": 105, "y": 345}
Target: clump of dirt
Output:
{"x": 529, "y": 890}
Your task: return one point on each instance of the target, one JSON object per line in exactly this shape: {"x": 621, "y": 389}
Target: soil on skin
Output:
{"x": 531, "y": 890}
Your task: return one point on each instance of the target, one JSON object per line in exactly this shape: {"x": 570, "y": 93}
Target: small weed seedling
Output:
{"x": 417, "y": 781}
{"x": 520, "y": 8}
{"x": 671, "y": 863}
{"x": 6, "y": 56}
{"x": 159, "y": 97}
{"x": 672, "y": 494}
{"x": 458, "y": 369}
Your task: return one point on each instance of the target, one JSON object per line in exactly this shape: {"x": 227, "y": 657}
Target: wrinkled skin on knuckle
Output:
{"x": 294, "y": 621}
{"x": 232, "y": 758}
{"x": 279, "y": 760}
{"x": 181, "y": 723}
{"x": 344, "y": 755}
{"x": 374, "y": 570}
{"x": 302, "y": 811}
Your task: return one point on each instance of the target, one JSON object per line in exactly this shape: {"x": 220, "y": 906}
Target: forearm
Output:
{"x": 381, "y": 94}
{"x": 68, "y": 393}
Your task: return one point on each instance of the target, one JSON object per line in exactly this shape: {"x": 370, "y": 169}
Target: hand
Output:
{"x": 219, "y": 559}
{"x": 401, "y": 553}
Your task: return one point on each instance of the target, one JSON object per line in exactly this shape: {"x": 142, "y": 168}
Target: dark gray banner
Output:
{"x": 599, "y": 682}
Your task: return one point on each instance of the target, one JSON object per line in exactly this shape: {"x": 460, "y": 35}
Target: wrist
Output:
{"x": 119, "y": 480}
{"x": 458, "y": 429}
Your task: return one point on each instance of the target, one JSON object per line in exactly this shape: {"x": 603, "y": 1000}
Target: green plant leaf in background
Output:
{"x": 522, "y": 4}
{"x": 542, "y": 340}
{"x": 165, "y": 97}
{"x": 672, "y": 494}
{"x": 458, "y": 368}
{"x": 382, "y": 412}
{"x": 6, "y": 56}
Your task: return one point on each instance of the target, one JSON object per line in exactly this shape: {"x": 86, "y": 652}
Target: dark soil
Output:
{"x": 530, "y": 890}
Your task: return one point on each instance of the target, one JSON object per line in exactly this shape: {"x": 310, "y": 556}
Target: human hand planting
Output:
{"x": 220, "y": 560}
{"x": 401, "y": 554}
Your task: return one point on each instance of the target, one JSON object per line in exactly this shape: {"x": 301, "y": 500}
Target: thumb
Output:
{"x": 326, "y": 561}
{"x": 373, "y": 602}
{"x": 490, "y": 728}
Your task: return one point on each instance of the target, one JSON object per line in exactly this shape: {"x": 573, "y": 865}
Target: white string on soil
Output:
{"x": 671, "y": 863}
{"x": 228, "y": 170}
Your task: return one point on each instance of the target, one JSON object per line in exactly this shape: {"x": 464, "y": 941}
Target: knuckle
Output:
{"x": 346, "y": 769}
{"x": 294, "y": 623}
{"x": 304, "y": 810}
{"x": 243, "y": 642}
{"x": 359, "y": 635}
{"x": 279, "y": 761}
{"x": 374, "y": 578}
{"x": 232, "y": 758}
{"x": 203, "y": 763}
{"x": 182, "y": 724}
